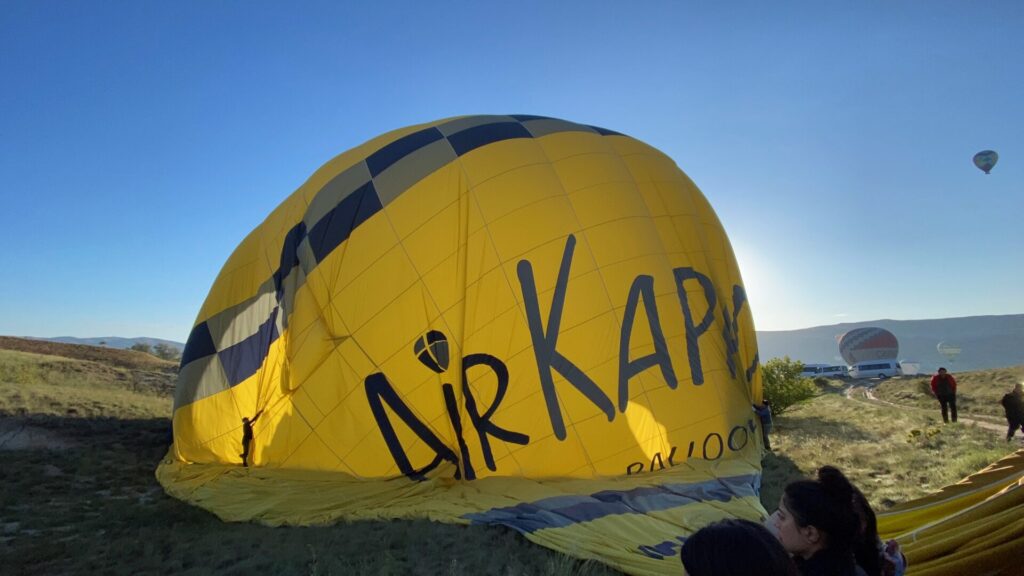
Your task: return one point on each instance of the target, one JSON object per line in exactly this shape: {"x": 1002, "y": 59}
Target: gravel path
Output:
{"x": 862, "y": 391}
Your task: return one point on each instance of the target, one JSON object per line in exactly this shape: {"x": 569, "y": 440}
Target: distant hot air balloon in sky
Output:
{"x": 986, "y": 160}
{"x": 948, "y": 349}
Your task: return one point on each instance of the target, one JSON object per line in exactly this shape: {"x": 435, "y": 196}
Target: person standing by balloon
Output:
{"x": 944, "y": 389}
{"x": 764, "y": 413}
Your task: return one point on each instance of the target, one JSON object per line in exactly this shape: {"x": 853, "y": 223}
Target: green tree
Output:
{"x": 166, "y": 351}
{"x": 142, "y": 347}
{"x": 784, "y": 387}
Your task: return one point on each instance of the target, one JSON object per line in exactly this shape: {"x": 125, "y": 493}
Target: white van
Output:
{"x": 876, "y": 369}
{"x": 812, "y": 370}
{"x": 835, "y": 372}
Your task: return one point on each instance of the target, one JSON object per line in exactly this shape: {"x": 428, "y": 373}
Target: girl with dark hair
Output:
{"x": 818, "y": 524}
{"x": 873, "y": 556}
{"x": 735, "y": 548}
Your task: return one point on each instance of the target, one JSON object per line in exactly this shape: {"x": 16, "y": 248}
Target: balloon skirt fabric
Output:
{"x": 975, "y": 526}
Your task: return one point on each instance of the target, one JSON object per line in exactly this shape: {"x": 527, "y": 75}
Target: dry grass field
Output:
{"x": 978, "y": 393}
{"x": 82, "y": 429}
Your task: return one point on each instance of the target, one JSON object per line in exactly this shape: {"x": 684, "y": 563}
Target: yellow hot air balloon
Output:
{"x": 511, "y": 320}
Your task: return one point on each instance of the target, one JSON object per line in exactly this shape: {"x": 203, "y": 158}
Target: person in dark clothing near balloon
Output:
{"x": 944, "y": 388}
{"x": 247, "y": 437}
{"x": 875, "y": 557}
{"x": 818, "y": 524}
{"x": 735, "y": 548}
{"x": 764, "y": 413}
{"x": 1013, "y": 404}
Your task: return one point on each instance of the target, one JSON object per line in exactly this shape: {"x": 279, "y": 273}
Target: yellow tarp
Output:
{"x": 508, "y": 320}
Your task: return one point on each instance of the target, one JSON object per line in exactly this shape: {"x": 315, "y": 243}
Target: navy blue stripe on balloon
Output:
{"x": 289, "y": 255}
{"x": 605, "y": 131}
{"x": 243, "y": 359}
{"x": 477, "y": 136}
{"x": 563, "y": 511}
{"x": 199, "y": 344}
{"x": 527, "y": 117}
{"x": 380, "y": 160}
{"x": 336, "y": 226}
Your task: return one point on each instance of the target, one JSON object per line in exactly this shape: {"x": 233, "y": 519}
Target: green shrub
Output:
{"x": 784, "y": 387}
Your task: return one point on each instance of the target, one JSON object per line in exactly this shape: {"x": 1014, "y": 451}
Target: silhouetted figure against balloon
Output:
{"x": 247, "y": 437}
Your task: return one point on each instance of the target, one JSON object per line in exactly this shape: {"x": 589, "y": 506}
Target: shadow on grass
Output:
{"x": 96, "y": 507}
{"x": 777, "y": 470}
{"x": 825, "y": 428}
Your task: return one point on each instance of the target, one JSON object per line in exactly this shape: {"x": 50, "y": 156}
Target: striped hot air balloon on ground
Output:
{"x": 863, "y": 344}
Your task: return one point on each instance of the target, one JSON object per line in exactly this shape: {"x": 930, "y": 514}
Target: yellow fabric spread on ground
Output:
{"x": 973, "y": 527}
{"x": 509, "y": 320}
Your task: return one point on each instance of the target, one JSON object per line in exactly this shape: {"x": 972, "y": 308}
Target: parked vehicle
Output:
{"x": 876, "y": 369}
{"x": 834, "y": 372}
{"x": 812, "y": 370}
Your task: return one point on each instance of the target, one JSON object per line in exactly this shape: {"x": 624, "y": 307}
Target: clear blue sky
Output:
{"x": 141, "y": 141}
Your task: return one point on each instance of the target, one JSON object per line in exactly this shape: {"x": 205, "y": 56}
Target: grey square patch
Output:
{"x": 339, "y": 188}
{"x": 401, "y": 175}
{"x": 200, "y": 379}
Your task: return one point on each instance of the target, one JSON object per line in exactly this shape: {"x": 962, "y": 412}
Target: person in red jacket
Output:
{"x": 944, "y": 388}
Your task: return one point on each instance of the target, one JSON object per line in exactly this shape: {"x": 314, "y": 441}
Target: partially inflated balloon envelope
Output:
{"x": 986, "y": 160}
{"x": 863, "y": 344}
{"x": 502, "y": 320}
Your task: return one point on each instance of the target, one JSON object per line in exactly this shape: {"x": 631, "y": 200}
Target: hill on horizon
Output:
{"x": 111, "y": 341}
{"x": 985, "y": 341}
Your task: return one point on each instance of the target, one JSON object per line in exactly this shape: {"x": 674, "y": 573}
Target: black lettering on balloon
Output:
{"x": 689, "y": 452}
{"x": 453, "y": 414}
{"x": 732, "y": 433}
{"x": 753, "y": 366}
{"x": 730, "y": 328}
{"x": 544, "y": 343}
{"x": 380, "y": 392}
{"x": 721, "y": 446}
{"x": 671, "y": 457}
{"x": 642, "y": 290}
{"x": 730, "y": 339}
{"x": 483, "y": 423}
{"x": 657, "y": 461}
{"x": 693, "y": 332}
{"x": 634, "y": 468}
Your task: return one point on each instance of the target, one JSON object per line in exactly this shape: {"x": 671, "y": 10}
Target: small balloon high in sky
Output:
{"x": 823, "y": 165}
{"x": 986, "y": 160}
